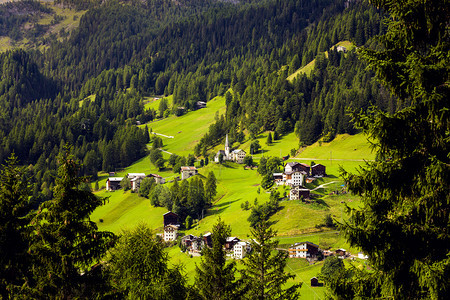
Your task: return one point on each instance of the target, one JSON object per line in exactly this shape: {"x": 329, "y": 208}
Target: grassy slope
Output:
{"x": 307, "y": 69}
{"x": 152, "y": 102}
{"x": 189, "y": 128}
{"x": 295, "y": 222}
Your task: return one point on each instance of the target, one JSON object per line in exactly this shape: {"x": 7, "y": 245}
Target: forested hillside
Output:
{"x": 73, "y": 103}
{"x": 88, "y": 89}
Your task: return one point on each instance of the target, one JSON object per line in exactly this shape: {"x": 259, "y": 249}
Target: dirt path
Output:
{"x": 170, "y": 153}
{"x": 323, "y": 185}
{"x": 167, "y": 136}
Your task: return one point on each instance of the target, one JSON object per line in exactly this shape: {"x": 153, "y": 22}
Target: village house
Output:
{"x": 192, "y": 243}
{"x": 303, "y": 250}
{"x": 240, "y": 250}
{"x": 278, "y": 178}
{"x": 170, "y": 233}
{"x": 135, "y": 180}
{"x": 113, "y": 183}
{"x": 341, "y": 253}
{"x": 158, "y": 179}
{"x": 318, "y": 170}
{"x": 238, "y": 156}
{"x": 207, "y": 239}
{"x": 299, "y": 192}
{"x": 187, "y": 172}
{"x": 295, "y": 174}
{"x": 294, "y": 178}
{"x": 230, "y": 242}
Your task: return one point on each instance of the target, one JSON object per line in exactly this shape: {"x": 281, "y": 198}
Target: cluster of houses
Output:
{"x": 237, "y": 155}
{"x": 193, "y": 244}
{"x": 113, "y": 183}
{"x": 310, "y": 251}
{"x": 295, "y": 175}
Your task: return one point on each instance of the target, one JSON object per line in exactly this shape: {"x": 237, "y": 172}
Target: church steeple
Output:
{"x": 227, "y": 147}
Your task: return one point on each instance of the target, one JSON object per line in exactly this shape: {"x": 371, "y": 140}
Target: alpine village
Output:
{"x": 224, "y": 149}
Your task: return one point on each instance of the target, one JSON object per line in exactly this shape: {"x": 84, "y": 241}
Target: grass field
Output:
{"x": 189, "y": 128}
{"x": 236, "y": 185}
{"x": 153, "y": 102}
{"x": 126, "y": 210}
{"x": 294, "y": 222}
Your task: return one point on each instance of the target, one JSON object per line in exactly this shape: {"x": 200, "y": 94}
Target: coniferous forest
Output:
{"x": 86, "y": 89}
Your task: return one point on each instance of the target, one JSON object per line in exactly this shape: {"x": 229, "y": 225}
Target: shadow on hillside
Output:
{"x": 321, "y": 202}
{"x": 229, "y": 166}
{"x": 219, "y": 208}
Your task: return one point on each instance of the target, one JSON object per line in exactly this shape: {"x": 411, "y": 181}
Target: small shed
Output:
{"x": 318, "y": 170}
{"x": 200, "y": 104}
{"x": 314, "y": 281}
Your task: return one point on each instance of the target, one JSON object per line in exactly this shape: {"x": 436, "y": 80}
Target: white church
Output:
{"x": 237, "y": 155}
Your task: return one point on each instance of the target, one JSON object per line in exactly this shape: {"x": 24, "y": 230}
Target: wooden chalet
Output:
{"x": 303, "y": 250}
{"x": 170, "y": 218}
{"x": 318, "y": 170}
{"x": 113, "y": 183}
{"x": 230, "y": 242}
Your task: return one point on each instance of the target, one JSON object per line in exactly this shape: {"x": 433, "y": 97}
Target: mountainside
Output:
{"x": 124, "y": 51}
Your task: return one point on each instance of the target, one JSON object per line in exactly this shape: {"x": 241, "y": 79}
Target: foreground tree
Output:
{"x": 66, "y": 243}
{"x": 15, "y": 191}
{"x": 264, "y": 275}
{"x": 139, "y": 267}
{"x": 215, "y": 278}
{"x": 404, "y": 222}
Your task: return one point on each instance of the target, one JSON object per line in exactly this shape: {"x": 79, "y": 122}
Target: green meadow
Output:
{"x": 153, "y": 102}
{"x": 294, "y": 222}
{"x": 187, "y": 129}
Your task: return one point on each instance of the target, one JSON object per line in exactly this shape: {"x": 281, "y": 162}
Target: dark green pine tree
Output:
{"x": 269, "y": 139}
{"x": 403, "y": 224}
{"x": 263, "y": 274}
{"x": 15, "y": 190}
{"x": 210, "y": 187}
{"x": 140, "y": 269}
{"x": 146, "y": 135}
{"x": 66, "y": 243}
{"x": 215, "y": 278}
